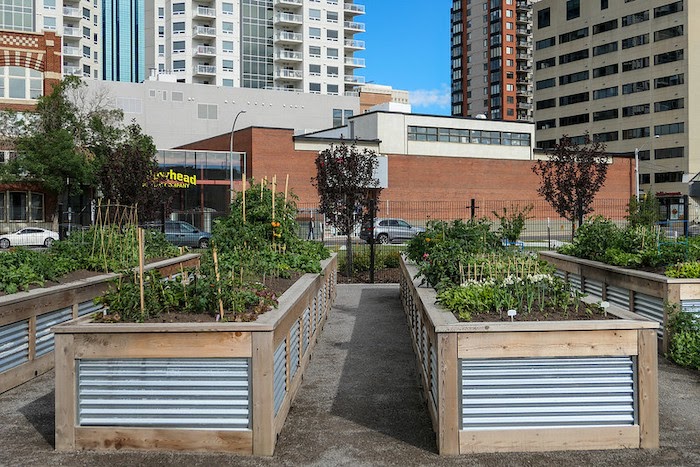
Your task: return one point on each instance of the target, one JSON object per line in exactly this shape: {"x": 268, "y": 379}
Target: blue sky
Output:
{"x": 408, "y": 48}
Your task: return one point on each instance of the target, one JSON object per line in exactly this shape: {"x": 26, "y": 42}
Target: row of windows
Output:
{"x": 454, "y": 135}
{"x": 20, "y": 83}
{"x": 21, "y": 206}
{"x": 659, "y": 59}
{"x": 630, "y": 133}
{"x": 573, "y": 11}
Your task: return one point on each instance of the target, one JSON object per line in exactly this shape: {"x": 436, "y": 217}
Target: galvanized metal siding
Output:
{"x": 547, "y": 392}
{"x": 14, "y": 344}
{"x": 294, "y": 349}
{"x": 89, "y": 307}
{"x": 691, "y": 306}
{"x": 575, "y": 281}
{"x": 174, "y": 393}
{"x": 619, "y": 296}
{"x": 433, "y": 375}
{"x": 650, "y": 307}
{"x": 560, "y": 274}
{"x": 280, "y": 374}
{"x": 594, "y": 287}
{"x": 306, "y": 334}
{"x": 44, "y": 323}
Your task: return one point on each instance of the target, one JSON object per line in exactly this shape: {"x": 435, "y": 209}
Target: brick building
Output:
{"x": 428, "y": 158}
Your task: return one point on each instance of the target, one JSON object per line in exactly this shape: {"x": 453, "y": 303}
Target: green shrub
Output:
{"x": 684, "y": 343}
{"x": 689, "y": 270}
{"x": 385, "y": 258}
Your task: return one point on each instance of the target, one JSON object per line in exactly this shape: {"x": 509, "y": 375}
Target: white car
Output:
{"x": 29, "y": 236}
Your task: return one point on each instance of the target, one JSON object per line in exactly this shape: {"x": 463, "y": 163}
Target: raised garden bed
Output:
{"x": 26, "y": 319}
{"x": 223, "y": 386}
{"x": 533, "y": 386}
{"x": 644, "y": 293}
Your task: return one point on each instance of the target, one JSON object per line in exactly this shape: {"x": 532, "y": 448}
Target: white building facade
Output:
{"x": 295, "y": 45}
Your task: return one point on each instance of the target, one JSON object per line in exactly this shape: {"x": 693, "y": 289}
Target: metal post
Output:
{"x": 636, "y": 173}
{"x": 230, "y": 151}
{"x": 372, "y": 213}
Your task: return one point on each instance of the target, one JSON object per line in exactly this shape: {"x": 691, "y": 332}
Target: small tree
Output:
{"x": 512, "y": 223}
{"x": 344, "y": 177}
{"x": 644, "y": 211}
{"x": 571, "y": 176}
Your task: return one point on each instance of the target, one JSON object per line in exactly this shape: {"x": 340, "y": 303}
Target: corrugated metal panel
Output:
{"x": 280, "y": 374}
{"x": 433, "y": 375}
{"x": 174, "y": 393}
{"x": 305, "y": 335}
{"x": 575, "y": 281}
{"x": 594, "y": 288}
{"x": 312, "y": 317}
{"x": 619, "y": 296}
{"x": 294, "y": 349}
{"x": 321, "y": 310}
{"x": 691, "y": 306}
{"x": 650, "y": 307}
{"x": 44, "y": 323}
{"x": 88, "y": 307}
{"x": 425, "y": 351}
{"x": 547, "y": 392}
{"x": 14, "y": 344}
{"x": 560, "y": 274}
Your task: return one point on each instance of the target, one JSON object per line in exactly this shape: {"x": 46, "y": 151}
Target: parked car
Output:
{"x": 29, "y": 236}
{"x": 182, "y": 233}
{"x": 389, "y": 231}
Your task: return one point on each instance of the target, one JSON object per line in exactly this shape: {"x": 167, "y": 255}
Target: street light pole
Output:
{"x": 636, "y": 167}
{"x": 230, "y": 151}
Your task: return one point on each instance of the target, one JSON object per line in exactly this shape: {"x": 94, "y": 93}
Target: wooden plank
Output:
{"x": 549, "y": 439}
{"x": 150, "y": 439}
{"x": 648, "y": 390}
{"x": 547, "y": 344}
{"x": 32, "y": 338}
{"x": 448, "y": 395}
{"x": 65, "y": 393}
{"x": 169, "y": 345}
{"x": 21, "y": 374}
{"x": 262, "y": 387}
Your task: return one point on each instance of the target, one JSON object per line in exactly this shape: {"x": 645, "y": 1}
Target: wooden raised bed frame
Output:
{"x": 443, "y": 345}
{"x": 256, "y": 342}
{"x": 644, "y": 293}
{"x": 34, "y": 304}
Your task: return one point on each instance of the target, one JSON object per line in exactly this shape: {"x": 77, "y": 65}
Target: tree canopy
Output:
{"x": 572, "y": 175}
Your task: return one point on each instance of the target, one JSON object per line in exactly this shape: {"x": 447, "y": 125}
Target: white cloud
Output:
{"x": 430, "y": 97}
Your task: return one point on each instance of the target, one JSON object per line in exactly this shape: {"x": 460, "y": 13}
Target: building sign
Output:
{"x": 174, "y": 179}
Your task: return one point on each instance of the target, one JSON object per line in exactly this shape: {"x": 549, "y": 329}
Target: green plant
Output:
{"x": 684, "y": 331}
{"x": 644, "y": 211}
{"x": 687, "y": 270}
{"x": 513, "y": 223}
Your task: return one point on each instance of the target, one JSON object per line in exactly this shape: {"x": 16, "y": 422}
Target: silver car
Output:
{"x": 390, "y": 230}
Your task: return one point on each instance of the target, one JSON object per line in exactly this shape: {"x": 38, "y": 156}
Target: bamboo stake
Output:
{"x": 218, "y": 283}
{"x": 274, "y": 190}
{"x": 244, "y": 190}
{"x": 286, "y": 188}
{"x": 141, "y": 293}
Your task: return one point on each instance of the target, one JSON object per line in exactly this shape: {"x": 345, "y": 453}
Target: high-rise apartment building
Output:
{"x": 123, "y": 31}
{"x": 296, "y": 45}
{"x": 621, "y": 71}
{"x": 76, "y": 22}
{"x": 492, "y": 59}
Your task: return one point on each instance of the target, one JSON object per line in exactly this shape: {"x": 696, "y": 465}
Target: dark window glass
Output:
{"x": 573, "y": 9}
{"x": 573, "y": 77}
{"x": 672, "y": 104}
{"x": 546, "y": 83}
{"x": 573, "y": 35}
{"x": 666, "y": 81}
{"x": 633, "y": 110}
{"x": 605, "y": 93}
{"x": 668, "y": 33}
{"x": 669, "y": 153}
{"x": 603, "y": 4}
{"x": 605, "y": 115}
{"x": 639, "y": 86}
{"x": 544, "y": 43}
{"x": 636, "y": 64}
{"x": 543, "y": 18}
{"x": 546, "y": 63}
{"x": 545, "y": 104}
{"x": 605, "y": 49}
{"x": 668, "y": 57}
{"x": 668, "y": 177}
{"x": 668, "y": 9}
{"x": 574, "y": 98}
{"x": 546, "y": 124}
{"x": 605, "y": 71}
{"x": 635, "y": 18}
{"x": 669, "y": 129}
{"x": 607, "y": 136}
{"x": 604, "y": 27}
{"x": 573, "y": 56}
{"x": 574, "y": 119}
{"x": 633, "y": 133}
{"x": 635, "y": 41}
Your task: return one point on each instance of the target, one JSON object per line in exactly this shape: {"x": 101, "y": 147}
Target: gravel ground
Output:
{"x": 359, "y": 405}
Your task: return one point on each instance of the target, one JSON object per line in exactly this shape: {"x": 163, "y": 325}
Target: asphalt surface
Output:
{"x": 359, "y": 405}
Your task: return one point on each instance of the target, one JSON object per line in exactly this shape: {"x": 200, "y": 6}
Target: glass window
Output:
{"x": 337, "y": 117}
{"x": 314, "y": 14}
{"x": 227, "y": 8}
{"x": 573, "y": 9}
{"x": 332, "y": 16}
{"x": 314, "y": 69}
{"x": 49, "y": 22}
{"x": 227, "y": 65}
{"x": 332, "y": 53}
{"x": 17, "y": 206}
{"x": 178, "y": 46}
{"x": 227, "y": 27}
{"x": 17, "y": 15}
{"x": 227, "y": 46}
{"x": 314, "y": 51}
{"x": 315, "y": 88}
{"x": 332, "y": 89}
{"x": 227, "y": 83}
{"x": 543, "y": 18}
{"x": 315, "y": 33}
{"x": 2, "y": 206}
{"x": 332, "y": 71}
{"x": 178, "y": 8}
{"x": 178, "y": 65}
{"x": 179, "y": 28}
{"x": 50, "y": 4}
{"x": 37, "y": 208}
{"x": 332, "y": 35}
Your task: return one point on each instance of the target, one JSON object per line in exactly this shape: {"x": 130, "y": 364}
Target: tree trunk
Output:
{"x": 348, "y": 250}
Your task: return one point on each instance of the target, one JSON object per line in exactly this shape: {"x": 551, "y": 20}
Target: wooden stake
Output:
{"x": 140, "y": 238}
{"x": 274, "y": 188}
{"x": 218, "y": 283}
{"x": 286, "y": 188}
{"x": 244, "y": 190}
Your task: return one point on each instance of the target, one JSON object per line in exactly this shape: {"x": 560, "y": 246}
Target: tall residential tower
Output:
{"x": 296, "y": 45}
{"x": 491, "y": 59}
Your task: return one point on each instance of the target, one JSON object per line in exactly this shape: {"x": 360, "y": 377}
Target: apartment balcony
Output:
{"x": 353, "y": 79}
{"x": 205, "y": 70}
{"x": 72, "y": 12}
{"x": 204, "y": 51}
{"x": 353, "y": 9}
{"x": 524, "y": 106}
{"x": 288, "y": 18}
{"x": 289, "y": 56}
{"x": 354, "y": 26}
{"x": 353, "y": 62}
{"x": 289, "y": 37}
{"x": 289, "y": 74}
{"x": 352, "y": 93}
{"x": 204, "y": 31}
{"x": 72, "y": 70}
{"x": 289, "y": 3}
{"x": 72, "y": 32}
{"x": 354, "y": 45}
{"x": 204, "y": 12}
{"x": 69, "y": 51}
{"x": 522, "y": 18}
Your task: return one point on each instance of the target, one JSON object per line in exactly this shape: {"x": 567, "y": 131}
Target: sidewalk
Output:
{"x": 359, "y": 405}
